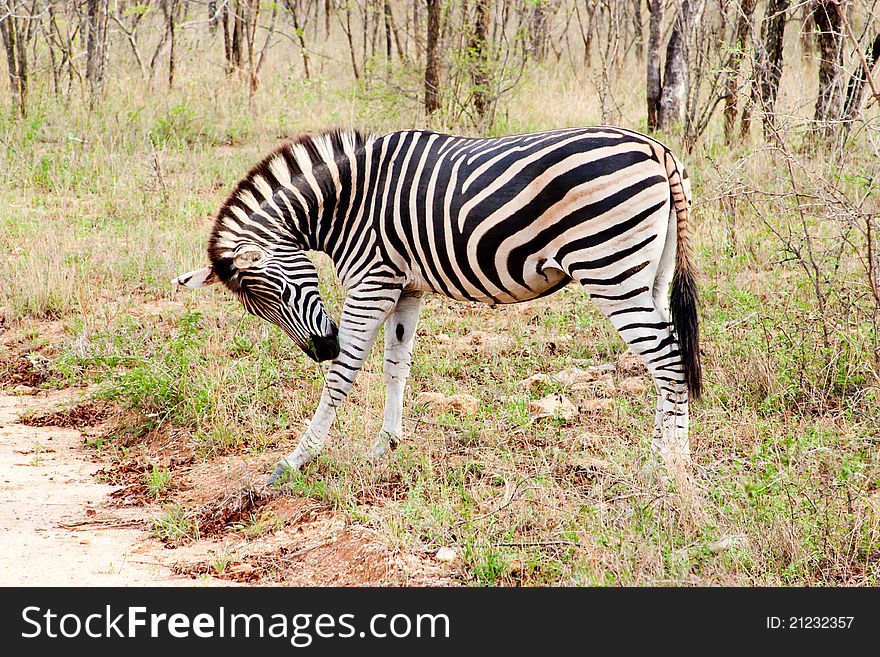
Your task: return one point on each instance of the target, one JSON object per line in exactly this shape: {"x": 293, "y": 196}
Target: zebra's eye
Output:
{"x": 247, "y": 257}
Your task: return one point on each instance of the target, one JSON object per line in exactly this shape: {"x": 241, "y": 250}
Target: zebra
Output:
{"x": 491, "y": 220}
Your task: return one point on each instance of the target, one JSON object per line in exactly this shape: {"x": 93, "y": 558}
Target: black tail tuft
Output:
{"x": 683, "y": 305}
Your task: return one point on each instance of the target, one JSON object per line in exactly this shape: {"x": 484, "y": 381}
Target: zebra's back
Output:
{"x": 502, "y": 220}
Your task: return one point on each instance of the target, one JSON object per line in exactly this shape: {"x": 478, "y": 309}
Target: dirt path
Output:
{"x": 56, "y": 526}
{"x": 60, "y": 526}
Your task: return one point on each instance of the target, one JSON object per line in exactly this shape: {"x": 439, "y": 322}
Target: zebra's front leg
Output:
{"x": 400, "y": 332}
{"x": 363, "y": 312}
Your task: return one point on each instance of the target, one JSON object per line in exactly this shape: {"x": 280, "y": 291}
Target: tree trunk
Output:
{"x": 637, "y": 28}
{"x": 829, "y": 27}
{"x": 807, "y": 36}
{"x": 855, "y": 90}
{"x": 169, "y": 8}
{"x": 237, "y": 38}
{"x": 478, "y": 49}
{"x": 96, "y": 47}
{"x": 432, "y": 61}
{"x": 587, "y": 31}
{"x": 327, "y": 4}
{"x": 417, "y": 29}
{"x": 227, "y": 38}
{"x": 539, "y": 30}
{"x": 745, "y": 9}
{"x": 346, "y": 26}
{"x": 675, "y": 72}
{"x": 299, "y": 31}
{"x": 15, "y": 30}
{"x": 386, "y": 8}
{"x": 768, "y": 67}
{"x": 654, "y": 81}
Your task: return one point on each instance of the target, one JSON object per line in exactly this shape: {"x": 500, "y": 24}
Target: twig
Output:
{"x": 539, "y": 544}
{"x": 861, "y": 55}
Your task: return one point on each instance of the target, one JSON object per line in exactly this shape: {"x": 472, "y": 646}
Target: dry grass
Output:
{"x": 100, "y": 210}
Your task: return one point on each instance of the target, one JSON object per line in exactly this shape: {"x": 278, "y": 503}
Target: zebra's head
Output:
{"x": 280, "y": 286}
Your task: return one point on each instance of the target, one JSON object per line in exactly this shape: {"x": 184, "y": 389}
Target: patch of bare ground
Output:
{"x": 261, "y": 536}
{"x": 69, "y": 516}
{"x": 55, "y": 525}
{"x": 73, "y": 514}
{"x": 315, "y": 547}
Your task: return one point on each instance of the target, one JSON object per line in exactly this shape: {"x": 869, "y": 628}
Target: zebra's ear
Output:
{"x": 247, "y": 256}
{"x": 198, "y": 278}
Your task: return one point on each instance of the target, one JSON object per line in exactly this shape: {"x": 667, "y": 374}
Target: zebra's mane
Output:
{"x": 287, "y": 161}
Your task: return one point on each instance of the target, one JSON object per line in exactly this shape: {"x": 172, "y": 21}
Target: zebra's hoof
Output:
{"x": 282, "y": 473}
{"x": 384, "y": 441}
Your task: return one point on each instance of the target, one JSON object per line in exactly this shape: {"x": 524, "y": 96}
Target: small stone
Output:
{"x": 446, "y": 554}
{"x": 634, "y": 386}
{"x": 597, "y": 405}
{"x": 553, "y": 406}
{"x": 463, "y": 403}
{"x": 727, "y": 542}
{"x": 630, "y": 363}
{"x": 533, "y": 381}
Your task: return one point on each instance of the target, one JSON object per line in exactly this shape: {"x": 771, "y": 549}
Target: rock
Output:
{"x": 634, "y": 386}
{"x": 553, "y": 406}
{"x": 576, "y": 377}
{"x": 572, "y": 375}
{"x": 603, "y": 386}
{"x": 597, "y": 405}
{"x": 629, "y": 363}
{"x": 533, "y": 381}
{"x": 446, "y": 555}
{"x": 728, "y": 541}
{"x": 463, "y": 403}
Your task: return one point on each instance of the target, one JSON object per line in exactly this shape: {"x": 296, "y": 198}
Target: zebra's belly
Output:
{"x": 535, "y": 280}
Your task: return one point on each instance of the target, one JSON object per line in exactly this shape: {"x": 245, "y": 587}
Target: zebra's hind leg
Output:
{"x": 400, "y": 332}
{"x": 648, "y": 332}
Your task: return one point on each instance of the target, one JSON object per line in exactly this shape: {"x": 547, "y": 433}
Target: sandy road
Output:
{"x": 56, "y": 528}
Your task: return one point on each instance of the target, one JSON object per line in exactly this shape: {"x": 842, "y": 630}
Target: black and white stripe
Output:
{"x": 491, "y": 220}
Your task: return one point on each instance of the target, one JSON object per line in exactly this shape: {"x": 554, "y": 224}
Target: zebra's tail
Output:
{"x": 684, "y": 299}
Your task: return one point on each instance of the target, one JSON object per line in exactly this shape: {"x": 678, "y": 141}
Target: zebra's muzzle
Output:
{"x": 324, "y": 347}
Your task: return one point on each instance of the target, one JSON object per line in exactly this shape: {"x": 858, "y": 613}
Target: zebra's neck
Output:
{"x": 308, "y": 192}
